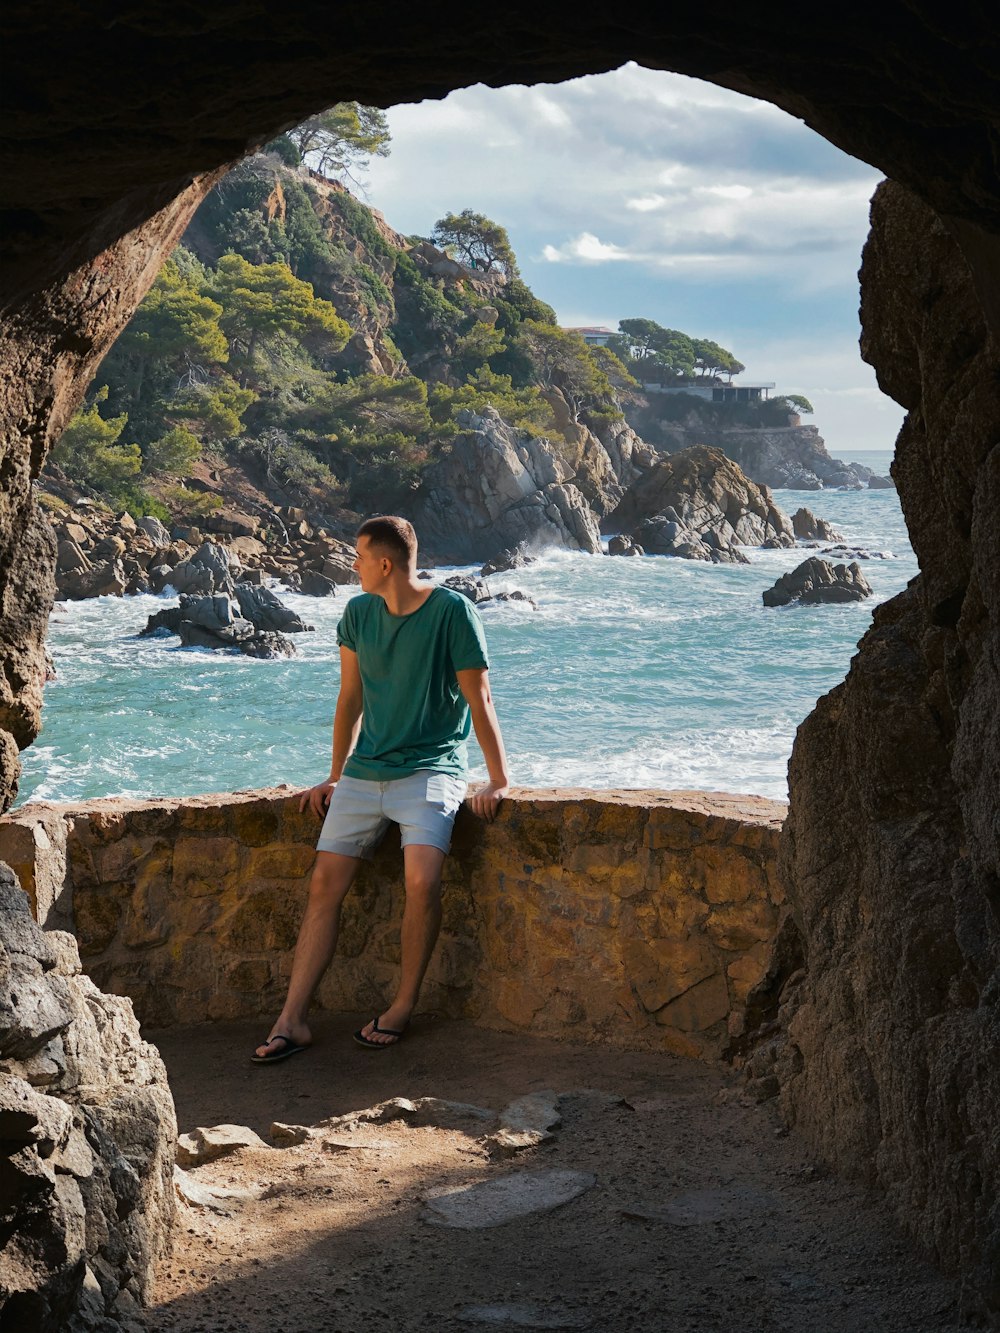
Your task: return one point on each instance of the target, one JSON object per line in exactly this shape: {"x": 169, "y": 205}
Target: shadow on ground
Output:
{"x": 704, "y": 1214}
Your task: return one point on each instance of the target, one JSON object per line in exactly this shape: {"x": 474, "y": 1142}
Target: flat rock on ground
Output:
{"x": 703, "y": 1215}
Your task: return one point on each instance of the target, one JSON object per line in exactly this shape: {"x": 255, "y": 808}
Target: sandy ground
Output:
{"x": 703, "y": 1215}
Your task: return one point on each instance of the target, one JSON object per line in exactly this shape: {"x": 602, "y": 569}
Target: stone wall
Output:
{"x": 640, "y": 919}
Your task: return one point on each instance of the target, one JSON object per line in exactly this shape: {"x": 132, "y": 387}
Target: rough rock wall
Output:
{"x": 87, "y": 1138}
{"x": 892, "y": 845}
{"x": 498, "y": 488}
{"x": 638, "y": 920}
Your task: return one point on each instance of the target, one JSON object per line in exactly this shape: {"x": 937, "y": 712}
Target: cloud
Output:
{"x": 584, "y": 249}
{"x": 645, "y": 193}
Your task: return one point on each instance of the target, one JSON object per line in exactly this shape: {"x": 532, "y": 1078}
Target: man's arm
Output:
{"x": 346, "y": 725}
{"x": 475, "y": 686}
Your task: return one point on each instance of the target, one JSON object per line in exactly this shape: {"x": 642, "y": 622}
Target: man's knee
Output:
{"x": 332, "y": 876}
{"x": 423, "y": 882}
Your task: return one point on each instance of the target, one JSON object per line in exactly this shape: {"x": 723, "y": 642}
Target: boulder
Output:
{"x": 88, "y": 1127}
{"x": 515, "y": 558}
{"x": 210, "y": 569}
{"x": 167, "y": 621}
{"x": 159, "y": 576}
{"x": 109, "y": 548}
{"x": 70, "y": 557}
{"x": 188, "y": 577}
{"x": 881, "y": 484}
{"x": 213, "y": 621}
{"x": 816, "y": 581}
{"x": 475, "y": 589}
{"x": 154, "y": 530}
{"x": 339, "y": 568}
{"x": 622, "y": 544}
{"x": 106, "y": 579}
{"x": 843, "y": 552}
{"x": 316, "y": 585}
{"x": 697, "y": 504}
{"x": 231, "y": 523}
{"x": 266, "y": 611}
{"x": 807, "y": 527}
{"x": 515, "y": 596}
{"x": 267, "y": 644}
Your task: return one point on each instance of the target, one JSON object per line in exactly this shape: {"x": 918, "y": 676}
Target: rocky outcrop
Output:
{"x": 622, "y": 545}
{"x": 252, "y": 622}
{"x": 505, "y": 561}
{"x": 816, "y": 581}
{"x": 892, "y": 847}
{"x": 700, "y": 506}
{"x": 500, "y": 488}
{"x": 807, "y": 527}
{"x": 790, "y": 457}
{"x": 100, "y": 555}
{"x": 793, "y": 457}
{"x": 638, "y": 919}
{"x": 88, "y": 1131}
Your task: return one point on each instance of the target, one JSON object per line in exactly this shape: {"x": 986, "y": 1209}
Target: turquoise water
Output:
{"x": 632, "y": 673}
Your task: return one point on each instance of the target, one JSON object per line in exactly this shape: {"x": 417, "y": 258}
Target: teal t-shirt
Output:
{"x": 415, "y": 716}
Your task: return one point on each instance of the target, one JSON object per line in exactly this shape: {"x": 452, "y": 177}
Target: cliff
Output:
{"x": 790, "y": 456}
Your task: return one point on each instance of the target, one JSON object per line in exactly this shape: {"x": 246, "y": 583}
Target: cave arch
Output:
{"x": 118, "y": 122}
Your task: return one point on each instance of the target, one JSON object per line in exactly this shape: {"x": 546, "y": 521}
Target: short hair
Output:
{"x": 394, "y": 534}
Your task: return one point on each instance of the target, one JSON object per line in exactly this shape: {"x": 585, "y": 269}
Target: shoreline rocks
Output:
{"x": 699, "y": 505}
{"x": 103, "y": 556}
{"x": 816, "y": 581}
{"x": 807, "y": 527}
{"x": 251, "y": 619}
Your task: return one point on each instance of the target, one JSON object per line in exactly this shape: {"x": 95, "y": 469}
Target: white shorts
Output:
{"x": 423, "y": 804}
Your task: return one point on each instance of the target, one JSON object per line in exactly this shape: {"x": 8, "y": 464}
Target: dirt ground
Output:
{"x": 703, "y": 1213}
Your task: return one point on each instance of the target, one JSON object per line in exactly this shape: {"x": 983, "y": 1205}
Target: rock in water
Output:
{"x": 215, "y": 622}
{"x": 622, "y": 544}
{"x": 516, "y": 558}
{"x": 265, "y": 610}
{"x": 807, "y": 527}
{"x": 698, "y": 505}
{"x": 475, "y": 589}
{"x": 314, "y": 584}
{"x": 816, "y": 581}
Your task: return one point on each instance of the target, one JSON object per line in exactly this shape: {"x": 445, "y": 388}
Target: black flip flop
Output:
{"x": 370, "y": 1045}
{"x": 291, "y": 1048}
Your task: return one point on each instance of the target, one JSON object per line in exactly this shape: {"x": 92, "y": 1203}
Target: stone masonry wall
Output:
{"x": 638, "y": 919}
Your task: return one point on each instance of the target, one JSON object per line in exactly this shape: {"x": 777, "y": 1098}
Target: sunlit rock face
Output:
{"x": 115, "y": 130}
{"x": 892, "y": 844}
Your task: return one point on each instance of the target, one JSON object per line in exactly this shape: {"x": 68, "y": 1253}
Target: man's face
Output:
{"x": 371, "y": 565}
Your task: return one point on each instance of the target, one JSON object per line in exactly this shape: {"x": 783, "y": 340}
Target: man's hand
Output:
{"x": 485, "y": 801}
{"x": 318, "y": 797}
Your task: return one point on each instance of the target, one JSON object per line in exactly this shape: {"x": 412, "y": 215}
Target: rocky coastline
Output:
{"x": 499, "y": 497}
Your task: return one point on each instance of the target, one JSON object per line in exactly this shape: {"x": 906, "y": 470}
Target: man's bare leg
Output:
{"x": 421, "y": 925}
{"x": 332, "y": 877}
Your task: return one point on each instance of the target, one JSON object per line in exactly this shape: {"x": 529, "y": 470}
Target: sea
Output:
{"x": 632, "y": 673}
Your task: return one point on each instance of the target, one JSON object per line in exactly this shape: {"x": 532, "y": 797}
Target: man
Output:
{"x": 414, "y": 672}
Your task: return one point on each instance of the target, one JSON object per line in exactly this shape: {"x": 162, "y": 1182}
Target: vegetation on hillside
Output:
{"x": 295, "y": 333}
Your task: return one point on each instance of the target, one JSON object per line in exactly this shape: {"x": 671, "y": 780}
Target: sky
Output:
{"x": 645, "y": 194}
